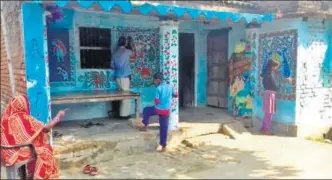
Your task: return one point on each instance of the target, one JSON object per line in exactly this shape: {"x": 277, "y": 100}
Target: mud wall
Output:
{"x": 12, "y": 57}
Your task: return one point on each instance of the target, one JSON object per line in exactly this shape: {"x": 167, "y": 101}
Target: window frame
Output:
{"x": 79, "y": 47}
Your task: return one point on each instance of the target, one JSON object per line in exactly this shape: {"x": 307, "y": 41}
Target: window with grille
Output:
{"x": 95, "y": 48}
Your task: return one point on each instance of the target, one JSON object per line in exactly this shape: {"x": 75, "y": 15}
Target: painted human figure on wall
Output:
{"x": 59, "y": 50}
{"x": 241, "y": 91}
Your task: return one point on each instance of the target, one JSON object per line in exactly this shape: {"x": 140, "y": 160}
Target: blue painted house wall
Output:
{"x": 102, "y": 20}
{"x": 309, "y": 104}
{"x": 285, "y": 112}
{"x": 75, "y": 19}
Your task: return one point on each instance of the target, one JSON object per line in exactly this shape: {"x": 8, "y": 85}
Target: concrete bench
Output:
{"x": 95, "y": 96}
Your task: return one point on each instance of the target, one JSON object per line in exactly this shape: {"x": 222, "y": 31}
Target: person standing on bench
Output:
{"x": 122, "y": 72}
{"x": 163, "y": 100}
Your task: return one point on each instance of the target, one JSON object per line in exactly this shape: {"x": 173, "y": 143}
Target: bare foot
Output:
{"x": 163, "y": 149}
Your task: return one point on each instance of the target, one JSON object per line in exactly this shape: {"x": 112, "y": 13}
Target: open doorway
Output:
{"x": 186, "y": 70}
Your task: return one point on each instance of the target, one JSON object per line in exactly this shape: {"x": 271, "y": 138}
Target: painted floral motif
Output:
{"x": 145, "y": 60}
{"x": 282, "y": 48}
{"x": 242, "y": 76}
{"x": 170, "y": 65}
{"x": 95, "y": 79}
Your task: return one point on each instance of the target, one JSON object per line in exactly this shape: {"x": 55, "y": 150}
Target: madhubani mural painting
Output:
{"x": 145, "y": 61}
{"x": 60, "y": 62}
{"x": 95, "y": 79}
{"x": 282, "y": 48}
{"x": 242, "y": 77}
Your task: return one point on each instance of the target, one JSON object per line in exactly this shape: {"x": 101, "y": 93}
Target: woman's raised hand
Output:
{"x": 56, "y": 120}
{"x": 62, "y": 113}
{"x": 289, "y": 80}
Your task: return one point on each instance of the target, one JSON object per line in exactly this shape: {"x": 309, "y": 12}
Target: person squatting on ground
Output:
{"x": 163, "y": 100}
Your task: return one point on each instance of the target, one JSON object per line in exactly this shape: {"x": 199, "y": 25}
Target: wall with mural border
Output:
{"x": 279, "y": 29}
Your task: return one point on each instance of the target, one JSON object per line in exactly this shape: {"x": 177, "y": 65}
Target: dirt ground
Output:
{"x": 214, "y": 157}
{"x": 264, "y": 157}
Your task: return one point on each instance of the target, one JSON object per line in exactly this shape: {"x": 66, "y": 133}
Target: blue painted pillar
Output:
{"x": 252, "y": 34}
{"x": 36, "y": 60}
{"x": 169, "y": 58}
{"x": 201, "y": 67}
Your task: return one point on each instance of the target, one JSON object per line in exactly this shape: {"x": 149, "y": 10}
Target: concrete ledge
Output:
{"x": 279, "y": 128}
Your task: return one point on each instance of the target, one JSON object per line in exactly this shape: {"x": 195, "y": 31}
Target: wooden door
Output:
{"x": 217, "y": 67}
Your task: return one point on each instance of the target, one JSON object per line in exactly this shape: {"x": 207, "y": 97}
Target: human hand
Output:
{"x": 56, "y": 120}
{"x": 289, "y": 80}
{"x": 62, "y": 113}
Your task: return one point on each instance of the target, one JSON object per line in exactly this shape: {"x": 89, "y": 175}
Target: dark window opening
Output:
{"x": 95, "y": 48}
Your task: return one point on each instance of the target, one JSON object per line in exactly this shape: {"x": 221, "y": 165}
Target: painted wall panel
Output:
{"x": 269, "y": 32}
{"x": 36, "y": 61}
{"x": 59, "y": 55}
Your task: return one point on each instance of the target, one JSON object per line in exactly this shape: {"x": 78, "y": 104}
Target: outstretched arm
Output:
{"x": 55, "y": 121}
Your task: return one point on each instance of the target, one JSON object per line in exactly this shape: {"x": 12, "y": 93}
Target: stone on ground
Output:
{"x": 137, "y": 123}
{"x": 207, "y": 140}
{"x": 235, "y": 130}
{"x": 329, "y": 134}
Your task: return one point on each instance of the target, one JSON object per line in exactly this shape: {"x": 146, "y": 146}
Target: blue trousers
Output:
{"x": 163, "y": 123}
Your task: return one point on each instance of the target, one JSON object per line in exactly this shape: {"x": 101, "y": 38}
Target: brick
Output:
{"x": 4, "y": 76}
{"x": 12, "y": 12}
